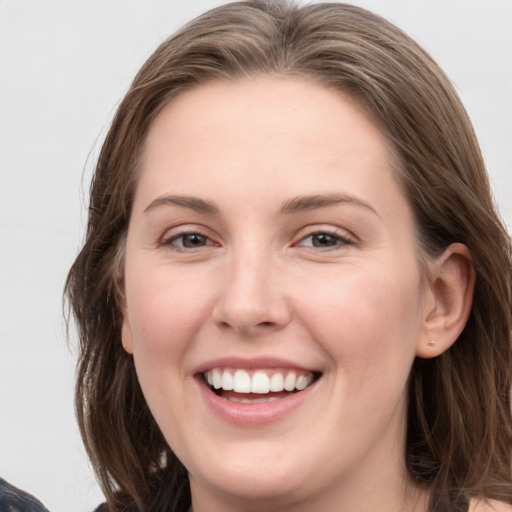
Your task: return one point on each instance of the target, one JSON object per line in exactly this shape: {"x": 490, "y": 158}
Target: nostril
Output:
{"x": 250, "y": 315}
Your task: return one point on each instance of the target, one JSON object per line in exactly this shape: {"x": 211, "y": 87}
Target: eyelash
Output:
{"x": 339, "y": 240}
{"x": 170, "y": 241}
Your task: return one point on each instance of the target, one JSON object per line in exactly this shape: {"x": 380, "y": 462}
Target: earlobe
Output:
{"x": 451, "y": 288}
{"x": 126, "y": 335}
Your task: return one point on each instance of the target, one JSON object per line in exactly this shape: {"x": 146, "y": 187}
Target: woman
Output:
{"x": 292, "y": 273}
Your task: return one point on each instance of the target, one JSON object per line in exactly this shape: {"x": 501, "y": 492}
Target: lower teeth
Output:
{"x": 252, "y": 401}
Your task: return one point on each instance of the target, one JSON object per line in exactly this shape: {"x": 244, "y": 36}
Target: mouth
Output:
{"x": 257, "y": 386}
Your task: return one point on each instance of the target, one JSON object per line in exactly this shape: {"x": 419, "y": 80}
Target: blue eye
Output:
{"x": 324, "y": 240}
{"x": 189, "y": 240}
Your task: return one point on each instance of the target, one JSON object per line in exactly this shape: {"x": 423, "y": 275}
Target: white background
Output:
{"x": 64, "y": 65}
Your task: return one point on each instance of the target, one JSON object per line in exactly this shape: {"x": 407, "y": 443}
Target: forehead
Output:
{"x": 271, "y": 136}
{"x": 259, "y": 109}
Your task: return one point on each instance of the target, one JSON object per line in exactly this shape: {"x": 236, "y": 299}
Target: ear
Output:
{"x": 452, "y": 283}
{"x": 126, "y": 334}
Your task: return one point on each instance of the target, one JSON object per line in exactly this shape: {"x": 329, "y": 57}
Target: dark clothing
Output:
{"x": 16, "y": 500}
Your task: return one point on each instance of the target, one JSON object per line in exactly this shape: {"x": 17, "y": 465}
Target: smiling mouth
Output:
{"x": 258, "y": 386}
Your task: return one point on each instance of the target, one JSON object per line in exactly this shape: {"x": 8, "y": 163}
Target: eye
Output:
{"x": 324, "y": 240}
{"x": 188, "y": 241}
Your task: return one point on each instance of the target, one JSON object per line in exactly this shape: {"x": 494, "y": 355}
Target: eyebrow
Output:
{"x": 305, "y": 203}
{"x": 193, "y": 203}
{"x": 297, "y": 204}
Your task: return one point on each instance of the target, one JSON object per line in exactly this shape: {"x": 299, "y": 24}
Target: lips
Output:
{"x": 255, "y": 393}
{"x": 242, "y": 388}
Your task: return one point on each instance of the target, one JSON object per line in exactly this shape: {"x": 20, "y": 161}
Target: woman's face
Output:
{"x": 271, "y": 249}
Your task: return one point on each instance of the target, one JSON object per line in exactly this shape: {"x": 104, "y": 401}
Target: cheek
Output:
{"x": 164, "y": 309}
{"x": 366, "y": 320}
{"x": 164, "y": 314}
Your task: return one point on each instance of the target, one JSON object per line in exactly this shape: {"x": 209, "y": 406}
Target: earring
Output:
{"x": 431, "y": 343}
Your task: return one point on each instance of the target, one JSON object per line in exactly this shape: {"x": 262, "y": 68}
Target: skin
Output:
{"x": 489, "y": 506}
{"x": 261, "y": 281}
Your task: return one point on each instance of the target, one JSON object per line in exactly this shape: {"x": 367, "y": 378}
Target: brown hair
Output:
{"x": 459, "y": 420}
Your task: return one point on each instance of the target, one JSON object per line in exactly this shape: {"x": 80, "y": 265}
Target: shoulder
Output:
{"x": 481, "y": 505}
{"x": 16, "y": 500}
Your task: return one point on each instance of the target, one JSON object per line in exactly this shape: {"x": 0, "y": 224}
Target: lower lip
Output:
{"x": 252, "y": 415}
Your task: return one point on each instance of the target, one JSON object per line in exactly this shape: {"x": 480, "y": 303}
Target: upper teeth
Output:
{"x": 260, "y": 381}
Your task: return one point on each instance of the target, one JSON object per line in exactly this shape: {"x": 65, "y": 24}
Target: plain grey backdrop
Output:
{"x": 64, "y": 65}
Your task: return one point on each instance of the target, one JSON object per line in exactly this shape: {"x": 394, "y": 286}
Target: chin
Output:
{"x": 262, "y": 475}
{"x": 261, "y": 489}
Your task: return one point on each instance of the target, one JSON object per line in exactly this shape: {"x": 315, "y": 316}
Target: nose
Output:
{"x": 252, "y": 301}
